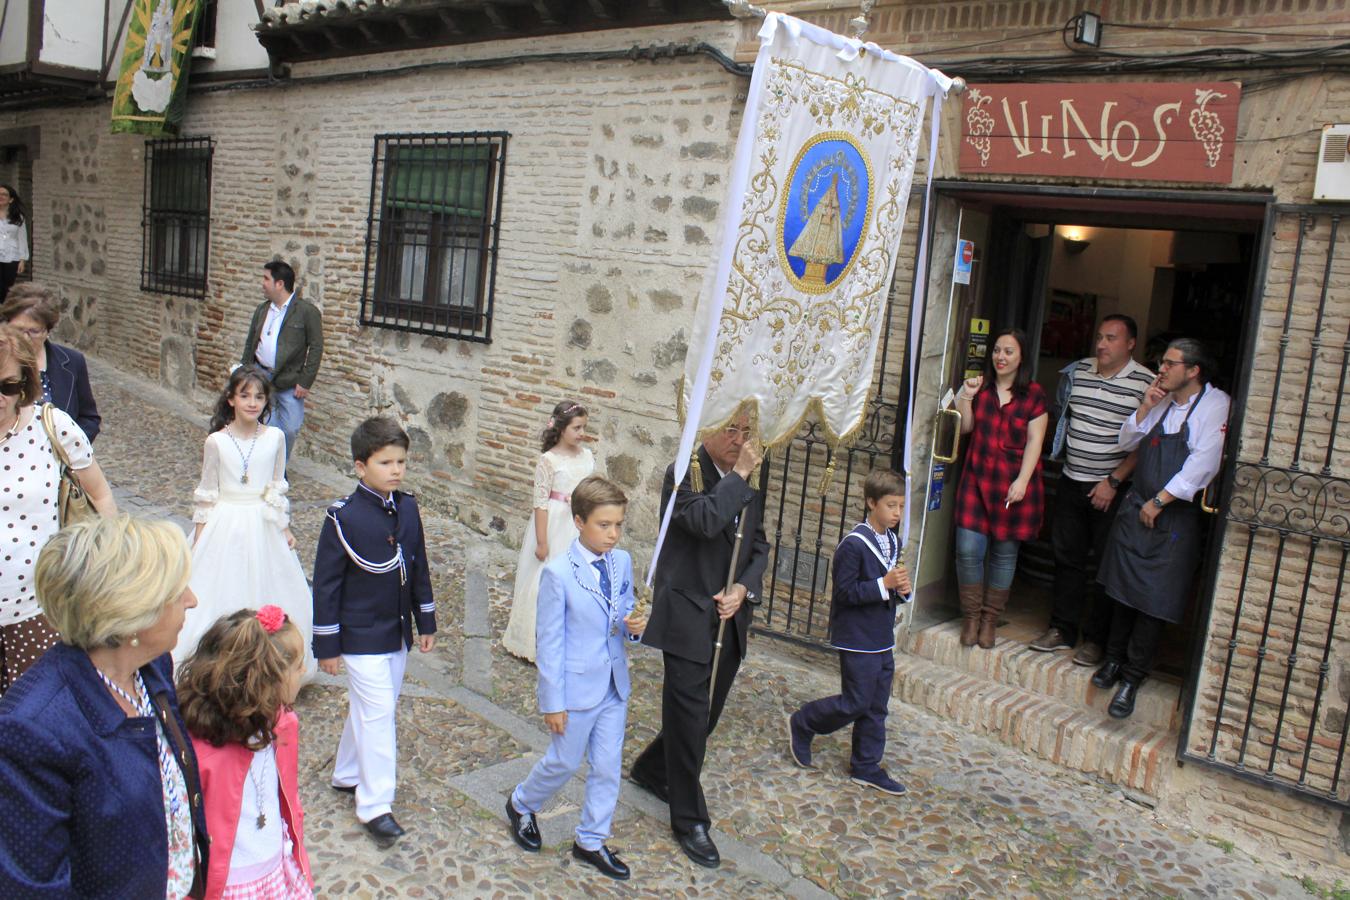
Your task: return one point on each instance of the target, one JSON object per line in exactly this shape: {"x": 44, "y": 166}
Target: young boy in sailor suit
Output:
{"x": 869, "y": 582}
{"x": 585, "y": 616}
{"x": 371, "y": 585}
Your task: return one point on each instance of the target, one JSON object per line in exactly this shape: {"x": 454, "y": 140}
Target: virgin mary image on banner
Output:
{"x": 825, "y": 212}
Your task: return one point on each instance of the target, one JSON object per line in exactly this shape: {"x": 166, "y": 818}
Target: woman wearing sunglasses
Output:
{"x": 30, "y": 483}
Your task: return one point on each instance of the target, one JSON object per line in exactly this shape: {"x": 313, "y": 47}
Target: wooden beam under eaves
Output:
{"x": 550, "y": 11}
{"x": 497, "y": 16}
{"x": 409, "y": 29}
{"x": 603, "y": 9}
{"x": 449, "y": 21}
{"x": 368, "y": 33}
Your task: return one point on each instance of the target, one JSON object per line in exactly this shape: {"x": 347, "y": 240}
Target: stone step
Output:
{"x": 1122, "y": 752}
{"x": 1011, "y": 662}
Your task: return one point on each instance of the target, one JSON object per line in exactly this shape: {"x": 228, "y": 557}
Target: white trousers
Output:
{"x": 596, "y": 735}
{"x": 367, "y": 755}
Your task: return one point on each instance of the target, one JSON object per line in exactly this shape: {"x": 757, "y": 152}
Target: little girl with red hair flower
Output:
{"x": 235, "y": 693}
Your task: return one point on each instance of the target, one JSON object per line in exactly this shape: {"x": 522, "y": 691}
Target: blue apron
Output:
{"x": 1150, "y": 569}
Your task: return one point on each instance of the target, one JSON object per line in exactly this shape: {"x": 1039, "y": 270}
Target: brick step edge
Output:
{"x": 1054, "y": 675}
{"x": 1124, "y": 753}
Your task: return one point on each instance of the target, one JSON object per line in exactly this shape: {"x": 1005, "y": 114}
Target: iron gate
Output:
{"x": 1270, "y": 681}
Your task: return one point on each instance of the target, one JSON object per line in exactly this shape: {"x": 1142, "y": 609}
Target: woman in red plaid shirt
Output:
{"x": 1000, "y": 500}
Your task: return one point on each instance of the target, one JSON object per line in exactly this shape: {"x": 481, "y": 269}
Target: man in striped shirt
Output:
{"x": 1097, "y": 394}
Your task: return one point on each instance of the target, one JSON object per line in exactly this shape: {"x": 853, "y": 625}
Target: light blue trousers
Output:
{"x": 596, "y": 735}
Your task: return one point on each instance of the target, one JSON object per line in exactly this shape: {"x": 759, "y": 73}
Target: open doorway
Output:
{"x": 1054, "y": 266}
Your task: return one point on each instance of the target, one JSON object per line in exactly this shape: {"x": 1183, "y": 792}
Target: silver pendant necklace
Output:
{"x": 261, "y": 821}
{"x": 243, "y": 478}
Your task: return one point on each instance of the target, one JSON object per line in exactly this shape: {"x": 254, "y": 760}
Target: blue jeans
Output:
{"x": 972, "y": 547}
{"x": 288, "y": 414}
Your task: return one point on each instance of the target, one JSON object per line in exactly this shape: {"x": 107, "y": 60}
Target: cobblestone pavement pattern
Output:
{"x": 979, "y": 820}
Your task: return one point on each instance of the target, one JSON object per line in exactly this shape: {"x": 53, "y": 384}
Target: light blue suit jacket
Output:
{"x": 576, "y": 655}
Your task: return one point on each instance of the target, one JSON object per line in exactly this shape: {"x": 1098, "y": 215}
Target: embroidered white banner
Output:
{"x": 788, "y": 325}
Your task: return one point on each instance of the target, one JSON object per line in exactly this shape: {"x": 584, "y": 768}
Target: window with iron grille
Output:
{"x": 431, "y": 240}
{"x": 176, "y": 216}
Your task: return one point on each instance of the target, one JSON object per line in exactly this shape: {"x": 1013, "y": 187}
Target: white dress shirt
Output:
{"x": 271, "y": 330}
{"x": 13, "y": 241}
{"x": 1208, "y": 426}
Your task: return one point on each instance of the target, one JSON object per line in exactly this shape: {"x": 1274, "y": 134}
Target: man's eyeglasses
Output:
{"x": 733, "y": 432}
{"x": 1169, "y": 363}
{"x": 14, "y": 387}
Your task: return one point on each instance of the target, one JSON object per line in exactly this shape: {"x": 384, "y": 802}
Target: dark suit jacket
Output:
{"x": 696, "y": 557}
{"x": 81, "y": 810}
{"x": 862, "y": 612}
{"x": 299, "y": 346}
{"x": 356, "y": 611}
{"x": 69, "y": 377}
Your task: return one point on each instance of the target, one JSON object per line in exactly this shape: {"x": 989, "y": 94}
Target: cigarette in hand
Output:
{"x": 1007, "y": 504}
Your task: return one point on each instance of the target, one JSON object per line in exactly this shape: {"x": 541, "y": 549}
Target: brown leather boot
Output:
{"x": 972, "y": 598}
{"x": 995, "y": 601}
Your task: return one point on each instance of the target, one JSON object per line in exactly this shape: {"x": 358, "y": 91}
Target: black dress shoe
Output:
{"x": 1107, "y": 675}
{"x": 657, "y": 790}
{"x": 1122, "y": 704}
{"x": 385, "y": 830}
{"x": 604, "y": 859}
{"x": 698, "y": 846}
{"x": 524, "y": 829}
{"x": 344, "y": 788}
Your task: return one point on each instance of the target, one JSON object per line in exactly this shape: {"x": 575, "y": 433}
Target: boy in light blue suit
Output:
{"x": 585, "y": 616}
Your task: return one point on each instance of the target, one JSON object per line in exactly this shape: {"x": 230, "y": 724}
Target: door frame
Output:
{"x": 957, "y": 189}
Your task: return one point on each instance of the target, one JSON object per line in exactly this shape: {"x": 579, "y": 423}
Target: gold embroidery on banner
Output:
{"x": 798, "y": 332}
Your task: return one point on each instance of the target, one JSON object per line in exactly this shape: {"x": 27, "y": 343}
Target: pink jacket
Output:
{"x": 223, "y": 772}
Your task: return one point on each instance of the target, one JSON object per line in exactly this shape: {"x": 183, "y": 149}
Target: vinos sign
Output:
{"x": 1180, "y": 131}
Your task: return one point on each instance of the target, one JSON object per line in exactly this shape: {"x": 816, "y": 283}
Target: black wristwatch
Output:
{"x": 1114, "y": 482}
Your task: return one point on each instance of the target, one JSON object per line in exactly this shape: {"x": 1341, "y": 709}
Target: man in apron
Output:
{"x": 1154, "y": 547}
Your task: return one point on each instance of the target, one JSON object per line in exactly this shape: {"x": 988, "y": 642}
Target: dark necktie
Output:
{"x": 604, "y": 576}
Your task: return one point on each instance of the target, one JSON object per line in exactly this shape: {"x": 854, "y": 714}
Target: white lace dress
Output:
{"x": 241, "y": 559}
{"x": 554, "y": 478}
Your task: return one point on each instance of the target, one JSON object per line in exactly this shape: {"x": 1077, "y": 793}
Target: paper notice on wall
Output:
{"x": 965, "y": 259}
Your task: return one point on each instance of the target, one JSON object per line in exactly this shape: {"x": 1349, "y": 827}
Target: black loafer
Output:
{"x": 1107, "y": 675}
{"x": 698, "y": 846}
{"x": 524, "y": 829}
{"x": 344, "y": 788}
{"x": 385, "y": 830}
{"x": 1122, "y": 704}
{"x": 604, "y": 859}
{"x": 659, "y": 791}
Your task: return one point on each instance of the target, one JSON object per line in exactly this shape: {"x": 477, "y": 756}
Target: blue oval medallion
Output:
{"x": 824, "y": 212}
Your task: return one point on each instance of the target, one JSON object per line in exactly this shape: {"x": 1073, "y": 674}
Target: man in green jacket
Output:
{"x": 285, "y": 340}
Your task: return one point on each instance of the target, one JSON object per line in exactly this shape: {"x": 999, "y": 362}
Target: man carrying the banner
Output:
{"x": 689, "y": 601}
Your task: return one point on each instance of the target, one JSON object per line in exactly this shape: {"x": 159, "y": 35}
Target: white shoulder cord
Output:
{"x": 395, "y": 562}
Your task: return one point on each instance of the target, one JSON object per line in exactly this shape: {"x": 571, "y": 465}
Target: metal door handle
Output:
{"x": 1204, "y": 497}
{"x": 956, "y": 436}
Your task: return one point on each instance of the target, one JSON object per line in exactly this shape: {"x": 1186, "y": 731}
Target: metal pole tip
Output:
{"x": 958, "y": 85}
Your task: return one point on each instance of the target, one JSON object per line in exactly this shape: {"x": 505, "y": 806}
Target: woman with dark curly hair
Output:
{"x": 565, "y": 460}
{"x": 13, "y": 238}
{"x": 236, "y": 694}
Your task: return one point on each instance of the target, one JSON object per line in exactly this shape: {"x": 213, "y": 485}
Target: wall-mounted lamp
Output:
{"x": 1075, "y": 240}
{"x": 1087, "y": 29}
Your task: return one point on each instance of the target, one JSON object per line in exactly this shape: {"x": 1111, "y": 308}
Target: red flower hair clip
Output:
{"x": 272, "y": 618}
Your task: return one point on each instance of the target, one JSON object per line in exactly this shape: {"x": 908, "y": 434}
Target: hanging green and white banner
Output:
{"x": 152, "y": 83}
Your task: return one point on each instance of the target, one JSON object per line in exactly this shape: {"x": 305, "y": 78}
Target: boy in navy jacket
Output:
{"x": 371, "y": 585}
{"x": 869, "y": 582}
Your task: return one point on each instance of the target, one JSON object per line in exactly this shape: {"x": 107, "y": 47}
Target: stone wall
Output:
{"x": 614, "y": 179}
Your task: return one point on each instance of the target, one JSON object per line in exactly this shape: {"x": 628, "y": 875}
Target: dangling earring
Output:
{"x": 135, "y": 641}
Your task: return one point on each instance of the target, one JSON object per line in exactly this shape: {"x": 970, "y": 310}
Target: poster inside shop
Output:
{"x": 977, "y": 348}
{"x": 152, "y": 82}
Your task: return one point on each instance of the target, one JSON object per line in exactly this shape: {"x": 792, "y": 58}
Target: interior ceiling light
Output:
{"x": 1087, "y": 29}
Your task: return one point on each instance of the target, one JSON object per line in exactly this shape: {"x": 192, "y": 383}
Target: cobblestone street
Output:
{"x": 979, "y": 820}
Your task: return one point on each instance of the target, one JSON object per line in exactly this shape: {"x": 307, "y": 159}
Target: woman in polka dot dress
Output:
{"x": 30, "y": 481}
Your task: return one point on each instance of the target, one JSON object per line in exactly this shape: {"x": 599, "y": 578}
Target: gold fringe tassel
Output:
{"x": 695, "y": 473}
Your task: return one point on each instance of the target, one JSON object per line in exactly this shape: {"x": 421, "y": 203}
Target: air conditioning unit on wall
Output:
{"x": 1333, "y": 165}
